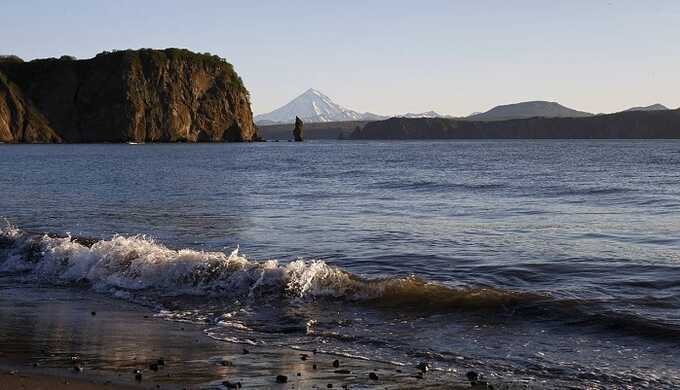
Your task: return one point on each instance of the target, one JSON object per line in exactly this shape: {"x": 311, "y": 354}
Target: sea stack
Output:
{"x": 298, "y": 131}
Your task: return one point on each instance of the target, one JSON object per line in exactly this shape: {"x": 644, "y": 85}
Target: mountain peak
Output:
{"x": 534, "y": 108}
{"x": 312, "y": 92}
{"x": 312, "y": 106}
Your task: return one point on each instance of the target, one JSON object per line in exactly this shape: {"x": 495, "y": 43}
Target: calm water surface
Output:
{"x": 553, "y": 261}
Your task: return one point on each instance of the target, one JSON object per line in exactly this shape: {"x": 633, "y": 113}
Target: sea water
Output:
{"x": 552, "y": 262}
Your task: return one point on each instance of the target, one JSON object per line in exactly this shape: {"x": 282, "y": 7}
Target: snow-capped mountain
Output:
{"x": 314, "y": 106}
{"x": 427, "y": 114}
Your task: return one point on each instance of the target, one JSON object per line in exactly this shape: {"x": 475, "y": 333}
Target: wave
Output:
{"x": 571, "y": 191}
{"x": 436, "y": 186}
{"x": 139, "y": 263}
{"x": 127, "y": 265}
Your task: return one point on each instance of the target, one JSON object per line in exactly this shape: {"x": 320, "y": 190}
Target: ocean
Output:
{"x": 541, "y": 262}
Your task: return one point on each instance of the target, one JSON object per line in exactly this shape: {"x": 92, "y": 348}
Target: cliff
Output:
{"x": 170, "y": 95}
{"x": 631, "y": 125}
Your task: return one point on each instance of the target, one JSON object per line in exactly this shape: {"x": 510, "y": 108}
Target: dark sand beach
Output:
{"x": 79, "y": 340}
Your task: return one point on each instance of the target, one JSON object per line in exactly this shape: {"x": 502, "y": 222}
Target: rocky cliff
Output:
{"x": 146, "y": 95}
{"x": 634, "y": 124}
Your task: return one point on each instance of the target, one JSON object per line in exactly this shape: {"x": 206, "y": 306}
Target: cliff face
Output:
{"x": 20, "y": 121}
{"x": 631, "y": 125}
{"x": 138, "y": 96}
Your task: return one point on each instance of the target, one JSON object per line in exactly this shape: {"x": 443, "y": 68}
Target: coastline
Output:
{"x": 25, "y": 379}
{"x": 81, "y": 340}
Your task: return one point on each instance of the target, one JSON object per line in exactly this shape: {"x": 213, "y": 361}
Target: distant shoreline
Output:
{"x": 625, "y": 125}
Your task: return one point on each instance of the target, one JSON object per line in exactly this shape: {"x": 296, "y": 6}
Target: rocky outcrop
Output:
{"x": 19, "y": 120}
{"x": 320, "y": 130}
{"x": 170, "y": 95}
{"x": 631, "y": 125}
{"x": 298, "y": 131}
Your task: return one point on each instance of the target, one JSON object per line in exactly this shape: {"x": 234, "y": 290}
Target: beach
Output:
{"x": 78, "y": 340}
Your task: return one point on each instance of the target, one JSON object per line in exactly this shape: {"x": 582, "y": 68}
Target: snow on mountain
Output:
{"x": 313, "y": 106}
{"x": 427, "y": 114}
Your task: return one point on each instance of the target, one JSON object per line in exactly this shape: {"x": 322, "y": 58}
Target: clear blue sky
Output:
{"x": 388, "y": 56}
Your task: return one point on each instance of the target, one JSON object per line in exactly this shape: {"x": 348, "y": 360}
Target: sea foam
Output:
{"x": 138, "y": 264}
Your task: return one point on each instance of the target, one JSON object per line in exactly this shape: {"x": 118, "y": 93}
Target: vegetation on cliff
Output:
{"x": 147, "y": 95}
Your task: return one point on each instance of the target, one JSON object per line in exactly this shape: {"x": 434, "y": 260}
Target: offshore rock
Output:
{"x": 170, "y": 95}
{"x": 298, "y": 131}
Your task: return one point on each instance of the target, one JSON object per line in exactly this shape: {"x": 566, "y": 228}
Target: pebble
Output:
{"x": 77, "y": 369}
{"x": 225, "y": 363}
{"x": 153, "y": 367}
{"x": 330, "y": 385}
{"x": 94, "y": 313}
{"x": 373, "y": 376}
{"x": 314, "y": 366}
{"x": 336, "y": 363}
{"x": 161, "y": 362}
{"x": 245, "y": 351}
{"x": 230, "y": 385}
{"x": 472, "y": 376}
{"x": 343, "y": 371}
{"x": 423, "y": 366}
{"x": 281, "y": 379}
{"x": 303, "y": 356}
{"x": 299, "y": 374}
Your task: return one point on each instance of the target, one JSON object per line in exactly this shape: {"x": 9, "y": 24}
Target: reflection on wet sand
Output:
{"x": 59, "y": 331}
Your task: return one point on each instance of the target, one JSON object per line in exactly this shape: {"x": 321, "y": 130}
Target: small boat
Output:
{"x": 135, "y": 143}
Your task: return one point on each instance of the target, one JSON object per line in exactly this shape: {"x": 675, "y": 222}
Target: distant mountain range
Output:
{"x": 427, "y": 114}
{"x": 313, "y": 106}
{"x": 653, "y": 107}
{"x": 528, "y": 110}
{"x": 652, "y": 124}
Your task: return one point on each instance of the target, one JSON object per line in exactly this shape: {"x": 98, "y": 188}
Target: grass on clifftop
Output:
{"x": 175, "y": 54}
{"x": 170, "y": 54}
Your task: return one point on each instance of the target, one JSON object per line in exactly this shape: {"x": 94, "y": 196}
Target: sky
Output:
{"x": 388, "y": 57}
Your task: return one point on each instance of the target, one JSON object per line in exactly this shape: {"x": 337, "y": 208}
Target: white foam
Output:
{"x": 127, "y": 265}
{"x": 138, "y": 263}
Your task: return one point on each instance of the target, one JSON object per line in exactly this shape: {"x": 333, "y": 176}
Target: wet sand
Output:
{"x": 55, "y": 335}
{"x": 15, "y": 380}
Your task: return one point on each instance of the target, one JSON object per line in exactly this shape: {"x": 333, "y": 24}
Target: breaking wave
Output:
{"x": 126, "y": 266}
{"x": 140, "y": 264}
